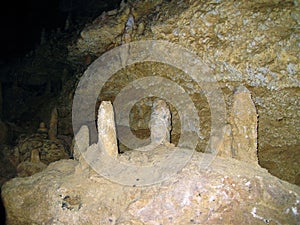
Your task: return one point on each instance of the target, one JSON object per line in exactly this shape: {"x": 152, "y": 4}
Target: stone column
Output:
{"x": 52, "y": 133}
{"x": 160, "y": 122}
{"x": 107, "y": 137}
{"x": 244, "y": 126}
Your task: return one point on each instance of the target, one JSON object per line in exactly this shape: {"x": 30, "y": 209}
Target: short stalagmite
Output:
{"x": 53, "y": 125}
{"x": 160, "y": 122}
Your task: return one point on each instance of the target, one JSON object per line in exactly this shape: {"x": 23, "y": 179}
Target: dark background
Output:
{"x": 22, "y": 21}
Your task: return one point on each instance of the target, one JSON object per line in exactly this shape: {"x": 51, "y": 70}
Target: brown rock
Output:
{"x": 42, "y": 128}
{"x": 244, "y": 126}
{"x": 50, "y": 151}
{"x": 229, "y": 192}
{"x": 28, "y": 168}
{"x": 265, "y": 60}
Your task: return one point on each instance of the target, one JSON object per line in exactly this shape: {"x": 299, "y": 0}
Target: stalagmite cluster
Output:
{"x": 78, "y": 195}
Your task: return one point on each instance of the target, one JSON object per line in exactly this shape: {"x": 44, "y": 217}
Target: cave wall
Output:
{"x": 251, "y": 43}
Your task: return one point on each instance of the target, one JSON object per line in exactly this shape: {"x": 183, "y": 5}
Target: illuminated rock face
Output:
{"x": 107, "y": 137}
{"x": 229, "y": 192}
{"x": 250, "y": 43}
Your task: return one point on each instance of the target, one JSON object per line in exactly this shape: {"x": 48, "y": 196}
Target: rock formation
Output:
{"x": 250, "y": 43}
{"x": 50, "y": 151}
{"x": 53, "y": 125}
{"x": 28, "y": 168}
{"x": 107, "y": 137}
{"x": 244, "y": 126}
{"x": 160, "y": 122}
{"x": 264, "y": 60}
{"x": 42, "y": 128}
{"x": 228, "y": 192}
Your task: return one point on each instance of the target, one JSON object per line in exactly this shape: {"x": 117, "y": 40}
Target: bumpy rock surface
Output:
{"x": 228, "y": 192}
{"x": 160, "y": 122}
{"x": 50, "y": 151}
{"x": 253, "y": 43}
{"x": 225, "y": 191}
{"x": 244, "y": 126}
{"x": 107, "y": 136}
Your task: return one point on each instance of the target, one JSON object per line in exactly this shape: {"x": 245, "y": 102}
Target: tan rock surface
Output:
{"x": 228, "y": 192}
{"x": 50, "y": 151}
{"x": 107, "y": 136}
{"x": 243, "y": 119}
{"x": 253, "y": 43}
{"x": 148, "y": 187}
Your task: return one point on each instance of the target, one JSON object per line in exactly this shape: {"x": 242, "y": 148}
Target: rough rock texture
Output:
{"x": 107, "y": 136}
{"x": 28, "y": 168}
{"x": 253, "y": 43}
{"x": 244, "y": 126}
{"x": 50, "y": 151}
{"x": 226, "y": 191}
{"x": 229, "y": 192}
{"x": 160, "y": 122}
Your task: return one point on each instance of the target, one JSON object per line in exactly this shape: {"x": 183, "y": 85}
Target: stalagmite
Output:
{"x": 224, "y": 145}
{"x": 35, "y": 156}
{"x": 42, "y": 128}
{"x": 160, "y": 122}
{"x": 80, "y": 146}
{"x": 244, "y": 126}
{"x": 53, "y": 125}
{"x": 107, "y": 137}
{"x": 80, "y": 143}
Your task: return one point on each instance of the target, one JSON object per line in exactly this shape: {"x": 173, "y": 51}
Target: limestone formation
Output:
{"x": 266, "y": 60}
{"x": 42, "y": 128}
{"x": 127, "y": 35}
{"x": 230, "y": 192}
{"x": 160, "y": 122}
{"x": 50, "y": 151}
{"x": 225, "y": 144}
{"x": 28, "y": 168}
{"x": 244, "y": 126}
{"x": 35, "y": 156}
{"x": 107, "y": 137}
{"x": 53, "y": 125}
